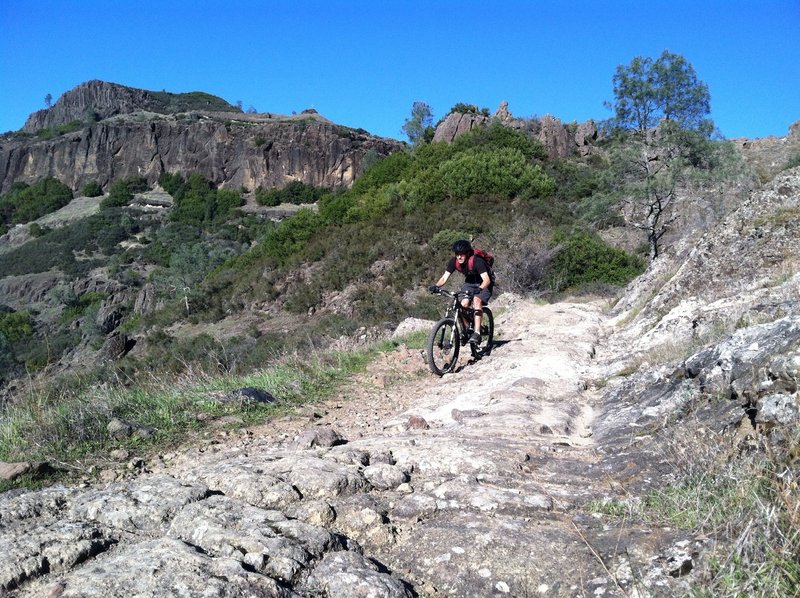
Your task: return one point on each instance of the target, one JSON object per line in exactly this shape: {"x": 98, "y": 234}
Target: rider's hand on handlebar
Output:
{"x": 434, "y": 289}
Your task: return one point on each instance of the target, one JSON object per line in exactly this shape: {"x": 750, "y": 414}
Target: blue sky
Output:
{"x": 363, "y": 64}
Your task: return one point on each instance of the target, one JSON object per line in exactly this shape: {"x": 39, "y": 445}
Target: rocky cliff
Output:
{"x": 97, "y": 100}
{"x": 131, "y": 132}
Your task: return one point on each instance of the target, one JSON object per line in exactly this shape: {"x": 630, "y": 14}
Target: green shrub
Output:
{"x": 375, "y": 306}
{"x": 504, "y": 172}
{"x": 296, "y": 192}
{"x": 171, "y": 182}
{"x": 463, "y": 108}
{"x": 337, "y": 208}
{"x": 444, "y": 239}
{"x": 37, "y": 230}
{"x": 92, "y": 189}
{"x": 391, "y": 169}
{"x": 122, "y": 191}
{"x": 198, "y": 202}
{"x": 291, "y": 236}
{"x": 24, "y": 203}
{"x": 498, "y": 136}
{"x": 101, "y": 232}
{"x": 15, "y": 325}
{"x": 585, "y": 258}
{"x": 75, "y": 125}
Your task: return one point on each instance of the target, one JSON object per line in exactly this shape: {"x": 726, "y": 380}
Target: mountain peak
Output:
{"x": 97, "y": 100}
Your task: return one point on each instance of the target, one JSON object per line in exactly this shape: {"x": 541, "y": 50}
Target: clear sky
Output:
{"x": 363, "y": 63}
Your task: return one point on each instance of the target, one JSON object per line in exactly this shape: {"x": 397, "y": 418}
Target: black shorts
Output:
{"x": 472, "y": 290}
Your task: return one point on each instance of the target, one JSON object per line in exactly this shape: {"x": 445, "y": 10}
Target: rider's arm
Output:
{"x": 485, "y": 280}
{"x": 441, "y": 282}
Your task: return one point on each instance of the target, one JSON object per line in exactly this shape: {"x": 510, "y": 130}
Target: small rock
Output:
{"x": 384, "y": 476}
{"x": 318, "y": 437}
{"x": 415, "y": 422}
{"x": 11, "y": 471}
{"x": 250, "y": 395}
{"x": 119, "y": 454}
{"x": 118, "y": 428}
{"x": 777, "y": 409}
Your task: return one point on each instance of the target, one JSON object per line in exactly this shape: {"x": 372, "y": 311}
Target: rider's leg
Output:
{"x": 477, "y": 305}
{"x": 465, "y": 303}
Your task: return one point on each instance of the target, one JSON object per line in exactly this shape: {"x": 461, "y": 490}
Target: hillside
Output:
{"x": 216, "y": 390}
{"x": 647, "y": 469}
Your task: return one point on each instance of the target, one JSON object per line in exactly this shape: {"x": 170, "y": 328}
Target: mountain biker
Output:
{"x": 478, "y": 284}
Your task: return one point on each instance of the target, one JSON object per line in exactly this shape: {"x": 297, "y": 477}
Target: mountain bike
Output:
{"x": 453, "y": 331}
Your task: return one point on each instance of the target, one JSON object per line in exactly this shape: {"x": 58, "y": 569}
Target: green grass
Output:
{"x": 69, "y": 423}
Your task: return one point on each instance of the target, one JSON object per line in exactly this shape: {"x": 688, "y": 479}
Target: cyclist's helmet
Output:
{"x": 462, "y": 246}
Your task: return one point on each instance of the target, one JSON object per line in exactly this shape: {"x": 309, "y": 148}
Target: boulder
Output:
{"x": 458, "y": 123}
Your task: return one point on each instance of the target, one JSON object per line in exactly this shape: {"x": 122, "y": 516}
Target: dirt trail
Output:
{"x": 544, "y": 350}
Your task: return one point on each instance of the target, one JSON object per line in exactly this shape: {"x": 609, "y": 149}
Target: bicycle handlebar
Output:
{"x": 447, "y": 293}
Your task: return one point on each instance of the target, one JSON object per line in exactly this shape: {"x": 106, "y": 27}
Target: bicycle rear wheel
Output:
{"x": 444, "y": 343}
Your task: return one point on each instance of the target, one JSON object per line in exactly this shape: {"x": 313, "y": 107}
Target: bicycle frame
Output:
{"x": 459, "y": 313}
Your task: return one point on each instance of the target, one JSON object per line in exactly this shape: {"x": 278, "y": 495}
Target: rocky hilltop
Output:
{"x": 104, "y": 132}
{"x": 559, "y": 140}
{"x": 546, "y": 468}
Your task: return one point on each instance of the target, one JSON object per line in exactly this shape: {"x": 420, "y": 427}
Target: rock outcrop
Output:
{"x": 98, "y": 100}
{"x": 458, "y": 123}
{"x": 559, "y": 140}
{"x": 231, "y": 149}
{"x": 770, "y": 155}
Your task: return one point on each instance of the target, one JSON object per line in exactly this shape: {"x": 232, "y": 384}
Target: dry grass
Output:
{"x": 739, "y": 493}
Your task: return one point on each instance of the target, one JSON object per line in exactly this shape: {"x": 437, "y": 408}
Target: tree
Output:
{"x": 648, "y": 175}
{"x": 665, "y": 105}
{"x": 648, "y": 91}
{"x": 418, "y": 125}
{"x": 48, "y": 100}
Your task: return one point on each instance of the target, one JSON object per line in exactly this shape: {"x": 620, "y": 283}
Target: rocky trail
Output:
{"x": 478, "y": 483}
{"x": 408, "y": 484}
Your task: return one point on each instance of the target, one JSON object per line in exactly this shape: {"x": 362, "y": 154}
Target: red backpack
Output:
{"x": 487, "y": 257}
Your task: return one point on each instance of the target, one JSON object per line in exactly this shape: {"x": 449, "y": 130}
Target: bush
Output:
{"x": 391, "y": 169}
{"x": 15, "y": 325}
{"x": 375, "y": 306}
{"x": 291, "y": 236}
{"x": 57, "y": 249}
{"x": 463, "y": 108}
{"x": 92, "y": 189}
{"x": 337, "y": 208}
{"x": 296, "y": 192}
{"x": 121, "y": 192}
{"x": 444, "y": 239}
{"x": 37, "y": 230}
{"x": 267, "y": 198}
{"x": 585, "y": 258}
{"x": 171, "y": 182}
{"x": 498, "y": 136}
{"x": 25, "y": 203}
{"x": 198, "y": 202}
{"x": 503, "y": 172}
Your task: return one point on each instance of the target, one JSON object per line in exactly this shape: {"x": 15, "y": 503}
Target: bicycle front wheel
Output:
{"x": 444, "y": 344}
